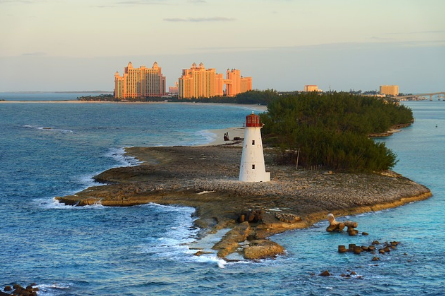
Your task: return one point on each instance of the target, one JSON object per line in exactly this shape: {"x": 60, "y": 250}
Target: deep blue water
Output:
{"x": 48, "y": 150}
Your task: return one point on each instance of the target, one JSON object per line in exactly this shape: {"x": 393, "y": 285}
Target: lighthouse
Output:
{"x": 252, "y": 167}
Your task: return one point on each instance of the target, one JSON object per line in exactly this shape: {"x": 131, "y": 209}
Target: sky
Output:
{"x": 78, "y": 45}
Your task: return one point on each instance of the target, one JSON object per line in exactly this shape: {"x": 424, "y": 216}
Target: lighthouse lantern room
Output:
{"x": 252, "y": 167}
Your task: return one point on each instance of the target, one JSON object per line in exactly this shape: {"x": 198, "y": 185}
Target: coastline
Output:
{"x": 205, "y": 177}
{"x": 254, "y": 107}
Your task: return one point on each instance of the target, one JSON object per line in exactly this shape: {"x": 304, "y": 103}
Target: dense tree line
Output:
{"x": 331, "y": 130}
{"x": 249, "y": 97}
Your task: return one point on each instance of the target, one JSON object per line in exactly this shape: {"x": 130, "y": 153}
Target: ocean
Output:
{"x": 49, "y": 150}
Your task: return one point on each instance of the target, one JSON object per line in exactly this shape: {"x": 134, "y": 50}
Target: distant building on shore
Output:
{"x": 391, "y": 90}
{"x": 173, "y": 90}
{"x": 139, "y": 82}
{"x": 199, "y": 82}
{"x": 311, "y": 88}
{"x": 236, "y": 84}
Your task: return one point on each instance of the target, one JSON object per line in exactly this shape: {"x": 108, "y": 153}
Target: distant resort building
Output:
{"x": 139, "y": 82}
{"x": 173, "y": 90}
{"x": 311, "y": 88}
{"x": 199, "y": 82}
{"x": 391, "y": 90}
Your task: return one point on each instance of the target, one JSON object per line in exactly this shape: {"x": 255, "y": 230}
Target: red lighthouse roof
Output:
{"x": 253, "y": 120}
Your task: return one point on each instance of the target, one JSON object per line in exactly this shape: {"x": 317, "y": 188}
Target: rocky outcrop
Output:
{"x": 206, "y": 178}
{"x": 260, "y": 249}
{"x": 18, "y": 290}
{"x": 232, "y": 239}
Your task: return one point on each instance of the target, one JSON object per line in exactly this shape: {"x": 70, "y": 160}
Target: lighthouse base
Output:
{"x": 254, "y": 177}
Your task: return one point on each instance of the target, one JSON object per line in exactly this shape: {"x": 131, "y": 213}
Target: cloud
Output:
{"x": 381, "y": 38}
{"x": 143, "y": 2}
{"x": 418, "y": 32}
{"x": 38, "y": 53}
{"x": 200, "y": 19}
{"x": 17, "y": 1}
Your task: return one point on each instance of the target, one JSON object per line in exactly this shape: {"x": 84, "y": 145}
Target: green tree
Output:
{"x": 332, "y": 130}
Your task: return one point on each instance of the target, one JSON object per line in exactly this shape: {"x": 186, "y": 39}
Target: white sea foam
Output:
{"x": 53, "y": 289}
{"x": 206, "y": 136}
{"x": 212, "y": 259}
{"x": 123, "y": 159}
{"x": 175, "y": 240}
{"x": 48, "y": 129}
{"x": 53, "y": 203}
{"x": 180, "y": 242}
{"x": 87, "y": 181}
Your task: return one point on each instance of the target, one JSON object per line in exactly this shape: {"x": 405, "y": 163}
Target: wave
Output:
{"x": 53, "y": 203}
{"x": 48, "y": 129}
{"x": 123, "y": 159}
{"x": 177, "y": 242}
{"x": 54, "y": 289}
{"x": 175, "y": 239}
{"x": 205, "y": 137}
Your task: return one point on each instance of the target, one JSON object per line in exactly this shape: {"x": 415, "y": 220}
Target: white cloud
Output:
{"x": 200, "y": 19}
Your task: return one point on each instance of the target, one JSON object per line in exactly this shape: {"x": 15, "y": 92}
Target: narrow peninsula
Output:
{"x": 320, "y": 158}
{"x": 206, "y": 178}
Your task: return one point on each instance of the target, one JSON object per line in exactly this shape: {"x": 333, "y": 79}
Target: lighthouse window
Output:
{"x": 253, "y": 166}
{"x": 253, "y": 142}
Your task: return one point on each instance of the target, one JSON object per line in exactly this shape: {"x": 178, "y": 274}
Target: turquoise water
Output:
{"x": 47, "y": 150}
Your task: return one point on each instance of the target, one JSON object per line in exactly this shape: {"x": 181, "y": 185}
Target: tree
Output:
{"x": 332, "y": 130}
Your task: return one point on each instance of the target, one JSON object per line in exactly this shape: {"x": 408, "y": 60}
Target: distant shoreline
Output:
{"x": 58, "y": 92}
{"x": 74, "y": 102}
{"x": 254, "y": 107}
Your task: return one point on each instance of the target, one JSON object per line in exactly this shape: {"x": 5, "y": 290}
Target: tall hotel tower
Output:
{"x": 199, "y": 82}
{"x": 139, "y": 82}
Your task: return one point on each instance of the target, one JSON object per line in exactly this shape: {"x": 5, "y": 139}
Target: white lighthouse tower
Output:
{"x": 252, "y": 167}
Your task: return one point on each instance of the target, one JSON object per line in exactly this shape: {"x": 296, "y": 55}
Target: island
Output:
{"x": 206, "y": 178}
{"x": 321, "y": 160}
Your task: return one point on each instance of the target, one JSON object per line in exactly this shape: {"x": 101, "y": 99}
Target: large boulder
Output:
{"x": 260, "y": 249}
{"x": 230, "y": 242}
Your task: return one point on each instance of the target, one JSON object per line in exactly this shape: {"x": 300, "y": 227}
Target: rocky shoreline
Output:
{"x": 206, "y": 178}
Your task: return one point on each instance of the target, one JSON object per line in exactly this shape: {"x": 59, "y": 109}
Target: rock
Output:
{"x": 325, "y": 273}
{"x": 352, "y": 232}
{"x": 260, "y": 249}
{"x": 8, "y": 288}
{"x": 375, "y": 259}
{"x": 339, "y": 226}
{"x": 253, "y": 216}
{"x": 357, "y": 250}
{"x": 376, "y": 242}
{"x": 288, "y": 218}
{"x": 351, "y": 247}
{"x": 342, "y": 249}
{"x": 365, "y": 233}
{"x": 230, "y": 242}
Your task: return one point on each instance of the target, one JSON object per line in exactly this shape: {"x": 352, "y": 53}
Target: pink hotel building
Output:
{"x": 199, "y": 82}
{"x": 139, "y": 82}
{"x": 196, "y": 82}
